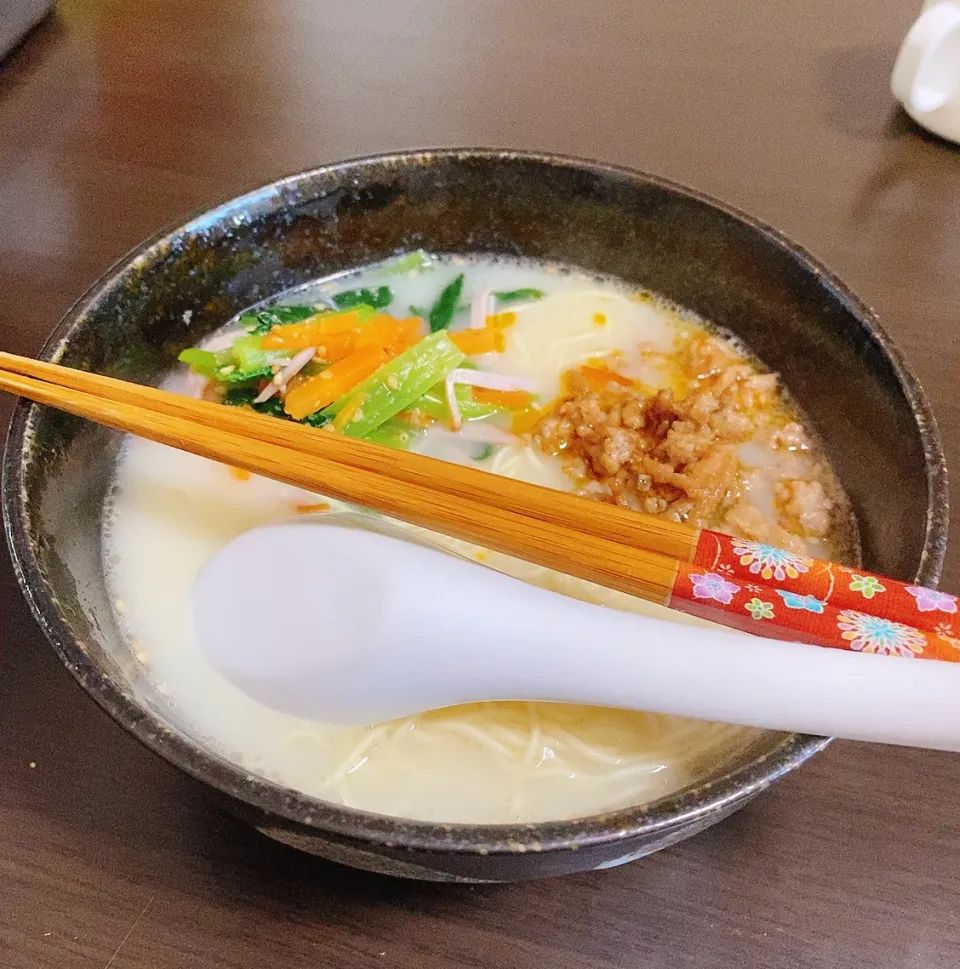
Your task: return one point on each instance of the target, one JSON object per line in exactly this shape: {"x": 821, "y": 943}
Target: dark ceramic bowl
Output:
{"x": 797, "y": 317}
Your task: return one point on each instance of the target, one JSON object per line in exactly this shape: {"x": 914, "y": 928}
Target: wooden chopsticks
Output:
{"x": 298, "y": 455}
{"x": 740, "y": 584}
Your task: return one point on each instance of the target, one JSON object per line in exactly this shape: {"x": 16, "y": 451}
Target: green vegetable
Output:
{"x": 514, "y": 295}
{"x": 248, "y": 355}
{"x": 319, "y": 419}
{"x": 246, "y": 397}
{"x": 241, "y": 363}
{"x": 484, "y": 452}
{"x": 411, "y": 262}
{"x": 222, "y": 366}
{"x": 434, "y": 404}
{"x": 232, "y": 374}
{"x": 265, "y": 320}
{"x": 394, "y": 434}
{"x": 423, "y": 314}
{"x": 378, "y": 298}
{"x": 441, "y": 314}
{"x": 398, "y": 383}
{"x": 204, "y": 362}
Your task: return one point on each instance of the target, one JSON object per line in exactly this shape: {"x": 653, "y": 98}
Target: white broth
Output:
{"x": 169, "y": 512}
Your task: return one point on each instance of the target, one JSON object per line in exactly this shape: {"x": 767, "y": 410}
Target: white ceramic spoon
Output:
{"x": 356, "y": 626}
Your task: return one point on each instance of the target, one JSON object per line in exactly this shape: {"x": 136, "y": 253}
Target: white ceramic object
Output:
{"x": 360, "y": 626}
{"x": 926, "y": 76}
{"x": 18, "y": 18}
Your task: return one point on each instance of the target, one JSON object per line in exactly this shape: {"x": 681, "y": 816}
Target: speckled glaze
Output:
{"x": 796, "y": 316}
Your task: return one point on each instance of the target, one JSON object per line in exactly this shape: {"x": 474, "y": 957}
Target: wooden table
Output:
{"x": 117, "y": 118}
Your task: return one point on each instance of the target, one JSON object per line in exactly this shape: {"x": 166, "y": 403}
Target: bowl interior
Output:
{"x": 793, "y": 314}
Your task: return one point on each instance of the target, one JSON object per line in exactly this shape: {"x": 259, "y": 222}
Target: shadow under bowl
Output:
{"x": 799, "y": 319}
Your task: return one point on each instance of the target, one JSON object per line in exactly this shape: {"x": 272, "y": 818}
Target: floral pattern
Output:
{"x": 867, "y": 585}
{"x": 714, "y": 586}
{"x": 793, "y": 601}
{"x": 758, "y": 588}
{"x": 871, "y": 634}
{"x": 770, "y": 562}
{"x": 929, "y": 600}
{"x": 759, "y": 609}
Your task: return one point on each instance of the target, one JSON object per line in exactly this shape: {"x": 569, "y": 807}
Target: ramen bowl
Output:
{"x": 797, "y": 317}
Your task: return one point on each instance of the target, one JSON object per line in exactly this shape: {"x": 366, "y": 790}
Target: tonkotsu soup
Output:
{"x": 524, "y": 369}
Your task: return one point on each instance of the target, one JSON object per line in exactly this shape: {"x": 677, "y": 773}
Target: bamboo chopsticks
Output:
{"x": 736, "y": 583}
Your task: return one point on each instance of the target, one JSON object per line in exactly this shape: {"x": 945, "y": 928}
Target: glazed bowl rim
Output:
{"x": 293, "y": 808}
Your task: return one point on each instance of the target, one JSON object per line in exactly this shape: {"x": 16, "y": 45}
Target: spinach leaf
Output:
{"x": 441, "y": 313}
{"x": 265, "y": 320}
{"x": 513, "y": 295}
{"x": 378, "y": 298}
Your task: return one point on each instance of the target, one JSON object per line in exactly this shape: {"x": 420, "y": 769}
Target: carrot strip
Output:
{"x": 509, "y": 399}
{"x": 324, "y": 388}
{"x": 384, "y": 331}
{"x": 526, "y": 420}
{"x": 312, "y": 509}
{"x": 500, "y": 321}
{"x": 381, "y": 331}
{"x": 312, "y": 332}
{"x": 475, "y": 342}
{"x": 599, "y": 377}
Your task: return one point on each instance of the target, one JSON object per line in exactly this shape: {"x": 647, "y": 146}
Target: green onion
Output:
{"x": 484, "y": 453}
{"x": 441, "y": 314}
{"x": 514, "y": 295}
{"x": 265, "y": 320}
{"x": 411, "y": 262}
{"x": 378, "y": 298}
{"x": 397, "y": 384}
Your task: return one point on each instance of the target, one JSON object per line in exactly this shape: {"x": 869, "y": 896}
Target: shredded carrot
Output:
{"x": 324, "y": 388}
{"x": 311, "y": 509}
{"x": 525, "y": 421}
{"x": 240, "y": 474}
{"x": 381, "y": 331}
{"x": 510, "y": 399}
{"x": 475, "y": 342}
{"x": 500, "y": 321}
{"x": 312, "y": 331}
{"x": 599, "y": 377}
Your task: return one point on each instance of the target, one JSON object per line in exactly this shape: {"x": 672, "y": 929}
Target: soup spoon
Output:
{"x": 348, "y": 618}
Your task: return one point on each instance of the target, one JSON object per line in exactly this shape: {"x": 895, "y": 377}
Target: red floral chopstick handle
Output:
{"x": 769, "y": 592}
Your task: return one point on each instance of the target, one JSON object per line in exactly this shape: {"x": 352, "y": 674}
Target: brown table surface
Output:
{"x": 118, "y": 118}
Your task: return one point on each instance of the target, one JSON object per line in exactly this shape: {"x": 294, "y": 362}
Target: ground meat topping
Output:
{"x": 676, "y": 456}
